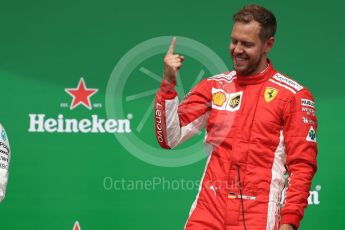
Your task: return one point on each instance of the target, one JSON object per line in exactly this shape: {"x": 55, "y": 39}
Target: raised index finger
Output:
{"x": 172, "y": 46}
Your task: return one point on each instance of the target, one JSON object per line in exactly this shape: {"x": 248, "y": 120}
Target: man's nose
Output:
{"x": 238, "y": 49}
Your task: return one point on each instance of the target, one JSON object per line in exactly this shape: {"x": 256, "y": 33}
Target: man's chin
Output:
{"x": 240, "y": 70}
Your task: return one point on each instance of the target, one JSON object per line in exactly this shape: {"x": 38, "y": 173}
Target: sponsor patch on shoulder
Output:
{"x": 307, "y": 103}
{"x": 288, "y": 81}
{"x": 3, "y": 135}
{"x": 309, "y": 111}
{"x": 311, "y": 135}
{"x": 306, "y": 120}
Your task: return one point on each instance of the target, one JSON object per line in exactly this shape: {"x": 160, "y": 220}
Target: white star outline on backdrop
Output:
{"x": 179, "y": 88}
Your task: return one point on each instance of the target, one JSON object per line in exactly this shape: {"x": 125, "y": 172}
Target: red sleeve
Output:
{"x": 300, "y": 128}
{"x": 176, "y": 123}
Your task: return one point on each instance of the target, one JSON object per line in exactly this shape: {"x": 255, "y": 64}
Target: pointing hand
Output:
{"x": 172, "y": 63}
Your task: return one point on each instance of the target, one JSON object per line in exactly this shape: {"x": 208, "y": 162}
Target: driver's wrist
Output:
{"x": 168, "y": 79}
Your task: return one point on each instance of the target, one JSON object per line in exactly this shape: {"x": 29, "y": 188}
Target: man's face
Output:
{"x": 248, "y": 51}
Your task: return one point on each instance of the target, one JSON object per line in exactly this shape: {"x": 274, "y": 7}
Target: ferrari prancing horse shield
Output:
{"x": 270, "y": 94}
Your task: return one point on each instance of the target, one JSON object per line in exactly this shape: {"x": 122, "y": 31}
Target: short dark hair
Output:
{"x": 263, "y": 16}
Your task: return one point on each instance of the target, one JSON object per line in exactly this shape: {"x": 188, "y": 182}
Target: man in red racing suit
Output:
{"x": 260, "y": 125}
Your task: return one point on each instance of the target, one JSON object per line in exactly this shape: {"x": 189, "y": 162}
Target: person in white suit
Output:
{"x": 4, "y": 161}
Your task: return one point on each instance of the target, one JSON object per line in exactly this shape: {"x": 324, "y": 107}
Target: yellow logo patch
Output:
{"x": 218, "y": 99}
{"x": 270, "y": 94}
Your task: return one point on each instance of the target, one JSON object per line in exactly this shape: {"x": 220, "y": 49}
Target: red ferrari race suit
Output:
{"x": 4, "y": 161}
{"x": 259, "y": 128}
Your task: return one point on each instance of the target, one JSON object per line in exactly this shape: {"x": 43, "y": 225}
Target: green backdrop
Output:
{"x": 123, "y": 180}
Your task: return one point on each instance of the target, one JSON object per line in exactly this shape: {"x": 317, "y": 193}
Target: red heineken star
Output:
{"x": 76, "y": 226}
{"x": 81, "y": 95}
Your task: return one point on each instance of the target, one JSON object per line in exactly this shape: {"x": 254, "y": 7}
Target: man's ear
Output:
{"x": 269, "y": 44}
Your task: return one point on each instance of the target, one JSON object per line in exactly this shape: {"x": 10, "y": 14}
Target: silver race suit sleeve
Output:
{"x": 4, "y": 161}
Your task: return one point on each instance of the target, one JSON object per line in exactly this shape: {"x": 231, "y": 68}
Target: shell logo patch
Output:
{"x": 218, "y": 99}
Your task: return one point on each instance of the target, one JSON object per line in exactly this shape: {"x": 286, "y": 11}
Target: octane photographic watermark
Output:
{"x": 129, "y": 67}
{"x": 164, "y": 183}
{"x": 154, "y": 183}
